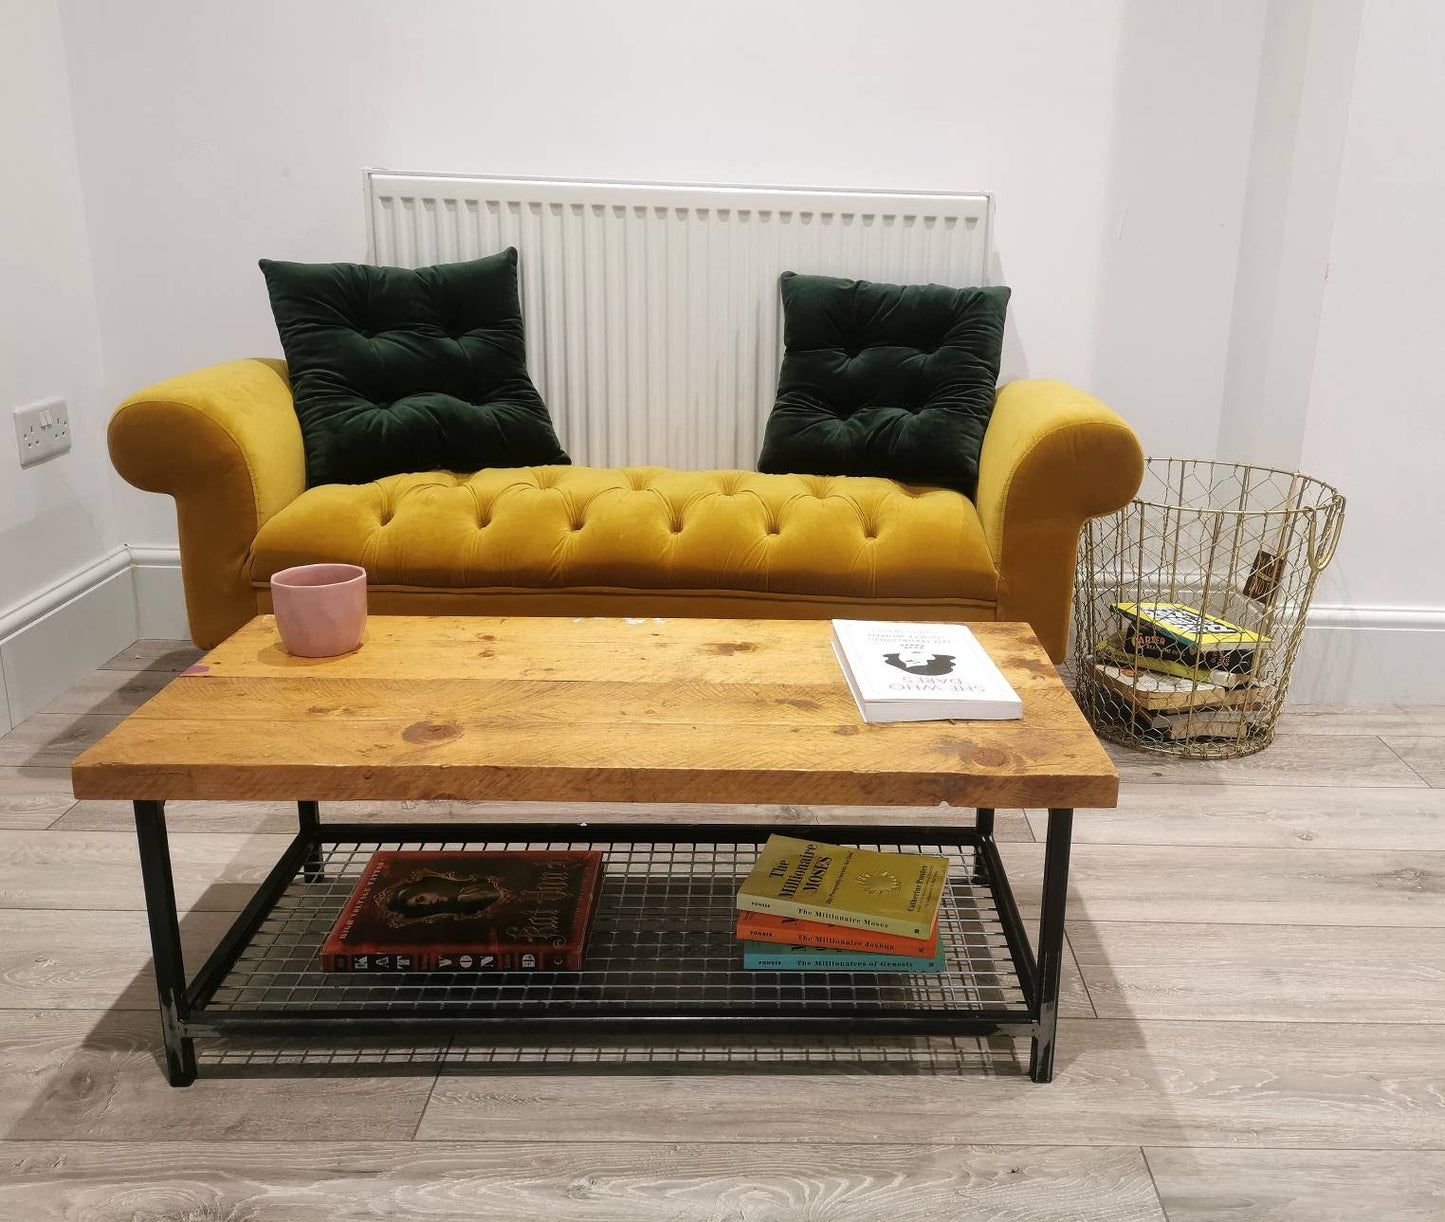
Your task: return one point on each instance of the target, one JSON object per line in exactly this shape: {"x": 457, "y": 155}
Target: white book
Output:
{"x": 921, "y": 672}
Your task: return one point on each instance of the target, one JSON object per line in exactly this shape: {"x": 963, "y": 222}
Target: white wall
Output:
{"x": 1115, "y": 135}
{"x": 1377, "y": 408}
{"x": 1301, "y": 113}
{"x": 1376, "y": 417}
{"x": 55, "y": 517}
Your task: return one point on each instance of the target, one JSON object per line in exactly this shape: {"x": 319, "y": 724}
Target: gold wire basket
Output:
{"x": 1189, "y": 604}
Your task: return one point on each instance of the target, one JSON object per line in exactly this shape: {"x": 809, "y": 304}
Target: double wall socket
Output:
{"x": 42, "y": 431}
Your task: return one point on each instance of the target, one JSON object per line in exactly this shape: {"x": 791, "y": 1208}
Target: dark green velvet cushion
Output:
{"x": 885, "y": 379}
{"x": 397, "y": 370}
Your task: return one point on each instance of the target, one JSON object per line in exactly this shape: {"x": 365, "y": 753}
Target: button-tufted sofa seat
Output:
{"x": 224, "y": 441}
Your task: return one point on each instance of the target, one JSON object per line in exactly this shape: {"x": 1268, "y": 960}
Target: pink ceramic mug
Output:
{"x": 320, "y": 608}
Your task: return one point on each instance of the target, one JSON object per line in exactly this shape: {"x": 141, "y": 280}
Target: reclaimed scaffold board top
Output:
{"x": 607, "y": 710}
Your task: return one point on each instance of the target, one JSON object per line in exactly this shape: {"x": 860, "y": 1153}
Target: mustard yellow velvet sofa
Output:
{"x": 225, "y": 443}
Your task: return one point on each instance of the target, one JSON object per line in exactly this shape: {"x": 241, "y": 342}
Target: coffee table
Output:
{"x": 597, "y": 710}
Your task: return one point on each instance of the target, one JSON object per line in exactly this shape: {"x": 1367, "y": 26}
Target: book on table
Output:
{"x": 789, "y": 931}
{"x": 889, "y": 893}
{"x": 768, "y": 957}
{"x": 467, "y": 912}
{"x": 921, "y": 672}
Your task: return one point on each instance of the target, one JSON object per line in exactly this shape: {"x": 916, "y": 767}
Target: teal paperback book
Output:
{"x": 770, "y": 957}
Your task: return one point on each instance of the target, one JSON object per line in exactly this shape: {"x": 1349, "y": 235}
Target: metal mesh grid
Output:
{"x": 663, "y": 935}
{"x": 1240, "y": 543}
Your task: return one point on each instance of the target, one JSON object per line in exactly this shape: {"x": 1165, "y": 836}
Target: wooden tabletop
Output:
{"x": 607, "y": 710}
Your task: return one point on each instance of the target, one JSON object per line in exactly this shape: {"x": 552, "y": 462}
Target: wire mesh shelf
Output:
{"x": 1202, "y": 541}
{"x": 662, "y": 936}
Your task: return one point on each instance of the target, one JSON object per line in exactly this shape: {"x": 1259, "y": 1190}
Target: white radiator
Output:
{"x": 653, "y": 321}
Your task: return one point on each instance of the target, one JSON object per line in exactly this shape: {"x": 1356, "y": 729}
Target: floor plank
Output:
{"x": 182, "y": 817}
{"x": 89, "y": 1075}
{"x": 52, "y": 740}
{"x": 110, "y": 692}
{"x": 1264, "y": 816}
{"x": 91, "y": 960}
{"x": 1425, "y": 755}
{"x": 1241, "y": 885}
{"x": 172, "y": 656}
{"x": 1300, "y": 1185}
{"x": 33, "y": 798}
{"x": 1294, "y": 973}
{"x": 1294, "y": 759}
{"x": 55, "y": 869}
{"x": 302, "y": 1182}
{"x": 1357, "y": 719}
{"x": 1117, "y": 1083}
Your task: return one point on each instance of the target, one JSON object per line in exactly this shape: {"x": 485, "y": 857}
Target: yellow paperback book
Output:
{"x": 896, "y": 893}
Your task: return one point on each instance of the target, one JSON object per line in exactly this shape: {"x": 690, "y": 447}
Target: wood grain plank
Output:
{"x": 579, "y": 702}
{"x": 52, "y": 740}
{"x": 51, "y": 869}
{"x": 1299, "y": 759}
{"x": 33, "y": 798}
{"x": 82, "y": 960}
{"x": 1271, "y": 973}
{"x": 1118, "y": 1083}
{"x": 1425, "y": 755}
{"x": 1241, "y": 885}
{"x": 914, "y": 765}
{"x": 1265, "y": 816}
{"x": 182, "y": 817}
{"x": 1300, "y": 1185}
{"x": 584, "y": 710}
{"x": 529, "y": 647}
{"x": 358, "y": 1182}
{"x": 172, "y": 656}
{"x": 94, "y": 1076}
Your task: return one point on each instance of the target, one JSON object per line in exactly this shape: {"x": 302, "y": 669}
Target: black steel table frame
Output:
{"x": 183, "y": 1004}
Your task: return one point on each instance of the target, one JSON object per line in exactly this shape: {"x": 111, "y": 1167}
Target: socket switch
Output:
{"x": 42, "y": 431}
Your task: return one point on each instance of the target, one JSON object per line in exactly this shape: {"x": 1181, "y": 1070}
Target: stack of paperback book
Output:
{"x": 1181, "y": 673}
{"x": 813, "y": 907}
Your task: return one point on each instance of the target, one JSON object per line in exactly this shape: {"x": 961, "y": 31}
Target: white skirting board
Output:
{"x": 1371, "y": 656}
{"x": 1351, "y": 655}
{"x": 160, "y": 600}
{"x": 60, "y": 635}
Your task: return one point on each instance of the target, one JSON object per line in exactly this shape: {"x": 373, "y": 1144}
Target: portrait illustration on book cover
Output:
{"x": 917, "y": 662}
{"x": 427, "y": 895}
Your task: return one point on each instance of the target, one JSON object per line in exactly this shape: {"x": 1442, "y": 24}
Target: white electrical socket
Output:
{"x": 42, "y": 431}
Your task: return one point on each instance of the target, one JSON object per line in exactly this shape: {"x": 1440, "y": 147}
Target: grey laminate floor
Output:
{"x": 1254, "y": 1029}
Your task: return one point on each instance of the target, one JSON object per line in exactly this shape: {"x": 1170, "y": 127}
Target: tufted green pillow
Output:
{"x": 885, "y": 379}
{"x": 397, "y": 370}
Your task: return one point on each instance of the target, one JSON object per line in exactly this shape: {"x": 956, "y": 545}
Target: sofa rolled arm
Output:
{"x": 1053, "y": 457}
{"x": 225, "y": 443}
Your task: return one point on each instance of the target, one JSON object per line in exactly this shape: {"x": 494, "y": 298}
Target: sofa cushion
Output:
{"x": 885, "y": 379}
{"x": 395, "y": 369}
{"x": 641, "y": 528}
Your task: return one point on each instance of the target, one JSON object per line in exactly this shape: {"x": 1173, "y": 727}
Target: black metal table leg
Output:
{"x": 170, "y": 971}
{"x": 309, "y": 821}
{"x": 983, "y": 825}
{"x": 1051, "y": 942}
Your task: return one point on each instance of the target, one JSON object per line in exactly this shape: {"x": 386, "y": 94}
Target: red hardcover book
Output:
{"x": 467, "y": 912}
{"x": 790, "y": 931}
